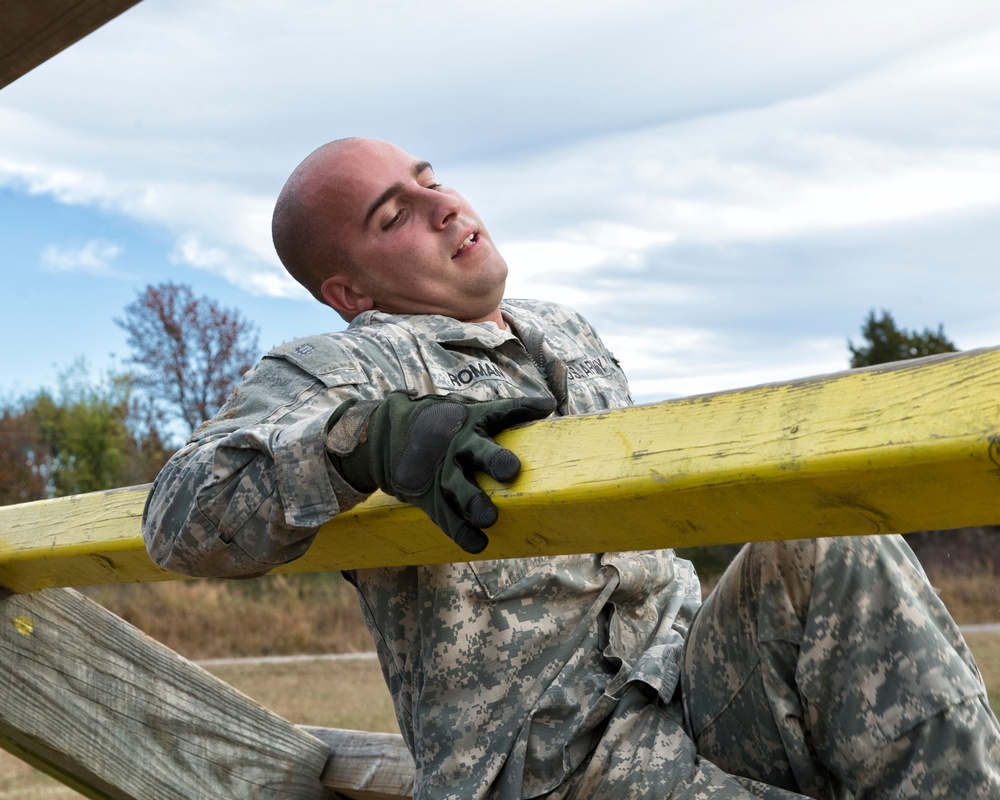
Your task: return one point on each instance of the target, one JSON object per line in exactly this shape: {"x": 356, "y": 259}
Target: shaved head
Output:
{"x": 301, "y": 227}
{"x": 365, "y": 226}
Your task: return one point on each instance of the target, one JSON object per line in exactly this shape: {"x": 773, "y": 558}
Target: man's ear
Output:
{"x": 341, "y": 295}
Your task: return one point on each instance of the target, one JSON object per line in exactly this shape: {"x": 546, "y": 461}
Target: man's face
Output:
{"x": 419, "y": 247}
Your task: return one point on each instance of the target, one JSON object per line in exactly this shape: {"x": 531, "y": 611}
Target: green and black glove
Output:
{"x": 426, "y": 450}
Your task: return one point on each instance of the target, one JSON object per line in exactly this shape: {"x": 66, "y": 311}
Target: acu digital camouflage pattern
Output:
{"x": 832, "y": 667}
{"x": 555, "y": 677}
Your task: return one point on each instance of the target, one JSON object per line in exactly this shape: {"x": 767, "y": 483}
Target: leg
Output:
{"x": 645, "y": 754}
{"x": 831, "y": 668}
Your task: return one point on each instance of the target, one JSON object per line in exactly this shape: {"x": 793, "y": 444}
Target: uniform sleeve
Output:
{"x": 250, "y": 489}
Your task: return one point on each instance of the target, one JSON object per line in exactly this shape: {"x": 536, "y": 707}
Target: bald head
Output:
{"x": 306, "y": 219}
{"x": 365, "y": 226}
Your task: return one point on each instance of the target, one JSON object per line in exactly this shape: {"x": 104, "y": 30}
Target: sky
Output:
{"x": 724, "y": 189}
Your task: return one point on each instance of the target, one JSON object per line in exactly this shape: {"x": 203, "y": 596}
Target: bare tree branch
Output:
{"x": 190, "y": 351}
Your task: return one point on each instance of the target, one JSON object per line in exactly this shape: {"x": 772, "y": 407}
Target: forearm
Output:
{"x": 245, "y": 502}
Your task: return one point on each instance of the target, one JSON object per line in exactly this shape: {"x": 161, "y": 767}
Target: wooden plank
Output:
{"x": 912, "y": 446}
{"x": 99, "y": 705}
{"x": 85, "y": 540}
{"x": 36, "y": 30}
{"x": 366, "y": 766}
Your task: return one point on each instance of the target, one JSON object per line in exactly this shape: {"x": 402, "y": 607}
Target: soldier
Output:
{"x": 825, "y": 669}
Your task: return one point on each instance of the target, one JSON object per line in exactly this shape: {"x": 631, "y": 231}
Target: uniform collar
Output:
{"x": 439, "y": 328}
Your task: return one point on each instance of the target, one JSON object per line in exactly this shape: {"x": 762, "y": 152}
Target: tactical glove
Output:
{"x": 426, "y": 450}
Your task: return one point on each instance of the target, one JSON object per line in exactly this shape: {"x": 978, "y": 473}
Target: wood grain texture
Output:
{"x": 86, "y": 540}
{"x": 366, "y": 766}
{"x": 96, "y": 703}
{"x": 905, "y": 447}
{"x": 36, "y": 30}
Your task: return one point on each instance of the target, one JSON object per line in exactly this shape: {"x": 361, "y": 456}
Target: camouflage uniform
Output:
{"x": 561, "y": 677}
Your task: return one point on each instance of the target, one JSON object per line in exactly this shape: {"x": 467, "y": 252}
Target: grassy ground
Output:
{"x": 986, "y": 648}
{"x": 329, "y": 694}
{"x": 273, "y": 615}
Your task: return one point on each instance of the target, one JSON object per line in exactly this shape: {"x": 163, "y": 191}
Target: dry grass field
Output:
{"x": 273, "y": 615}
{"x": 317, "y": 614}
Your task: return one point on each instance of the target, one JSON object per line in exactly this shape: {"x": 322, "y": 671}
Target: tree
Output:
{"x": 886, "y": 342}
{"x": 190, "y": 351}
{"x": 84, "y": 430}
{"x": 84, "y": 437}
{"x": 149, "y": 449}
{"x": 23, "y": 457}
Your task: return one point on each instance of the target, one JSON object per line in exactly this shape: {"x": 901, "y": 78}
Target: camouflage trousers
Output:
{"x": 823, "y": 669}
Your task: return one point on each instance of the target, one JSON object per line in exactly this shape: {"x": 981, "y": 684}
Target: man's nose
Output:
{"x": 443, "y": 208}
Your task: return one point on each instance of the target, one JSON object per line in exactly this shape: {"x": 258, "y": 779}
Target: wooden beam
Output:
{"x": 905, "y": 447}
{"x": 102, "y": 707}
{"x": 366, "y": 766}
{"x": 36, "y": 30}
{"x": 85, "y": 540}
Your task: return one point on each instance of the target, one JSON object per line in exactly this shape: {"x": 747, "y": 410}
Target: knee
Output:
{"x": 781, "y": 575}
{"x": 798, "y": 565}
{"x": 782, "y": 580}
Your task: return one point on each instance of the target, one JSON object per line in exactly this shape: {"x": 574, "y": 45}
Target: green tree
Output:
{"x": 149, "y": 447}
{"x": 84, "y": 437}
{"x": 83, "y": 426}
{"x": 23, "y": 456}
{"x": 884, "y": 342}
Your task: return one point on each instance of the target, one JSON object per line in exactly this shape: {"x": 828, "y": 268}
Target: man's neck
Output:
{"x": 495, "y": 317}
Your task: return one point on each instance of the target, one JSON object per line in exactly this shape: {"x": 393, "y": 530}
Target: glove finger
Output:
{"x": 504, "y": 465}
{"x": 471, "y": 540}
{"x": 484, "y": 455}
{"x": 443, "y": 512}
{"x": 481, "y": 512}
{"x": 463, "y": 497}
{"x": 465, "y": 533}
{"x": 515, "y": 411}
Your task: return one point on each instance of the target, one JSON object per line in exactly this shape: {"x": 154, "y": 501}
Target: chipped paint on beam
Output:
{"x": 910, "y": 446}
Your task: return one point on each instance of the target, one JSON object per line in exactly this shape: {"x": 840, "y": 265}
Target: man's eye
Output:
{"x": 434, "y": 186}
{"x": 393, "y": 221}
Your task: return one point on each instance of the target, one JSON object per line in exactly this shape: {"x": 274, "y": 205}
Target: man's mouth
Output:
{"x": 472, "y": 238}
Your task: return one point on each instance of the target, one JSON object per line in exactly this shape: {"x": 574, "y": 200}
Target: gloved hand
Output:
{"x": 425, "y": 450}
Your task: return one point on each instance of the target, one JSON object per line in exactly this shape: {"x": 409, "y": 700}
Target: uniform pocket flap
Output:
{"x": 324, "y": 358}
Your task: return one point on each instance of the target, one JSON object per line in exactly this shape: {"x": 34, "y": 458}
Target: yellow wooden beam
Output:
{"x": 36, "y": 30}
{"x": 905, "y": 447}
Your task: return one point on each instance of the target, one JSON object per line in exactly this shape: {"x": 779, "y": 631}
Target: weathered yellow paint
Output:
{"x": 911, "y": 446}
{"x": 24, "y": 625}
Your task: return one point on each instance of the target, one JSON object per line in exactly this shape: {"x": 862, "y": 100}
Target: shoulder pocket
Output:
{"x": 324, "y": 358}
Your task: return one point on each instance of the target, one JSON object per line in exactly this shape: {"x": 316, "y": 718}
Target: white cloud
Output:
{"x": 190, "y": 250}
{"x": 93, "y": 258}
{"x": 724, "y": 190}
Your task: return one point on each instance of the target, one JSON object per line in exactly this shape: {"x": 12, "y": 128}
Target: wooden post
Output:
{"x": 100, "y": 706}
{"x": 366, "y": 766}
{"x": 35, "y": 31}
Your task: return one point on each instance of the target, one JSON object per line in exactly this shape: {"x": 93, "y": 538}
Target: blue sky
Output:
{"x": 725, "y": 190}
